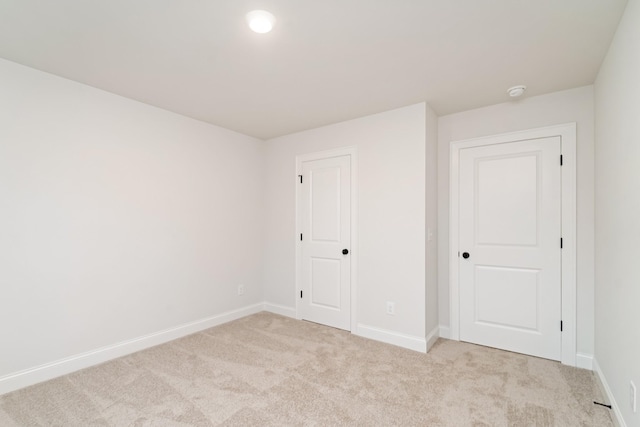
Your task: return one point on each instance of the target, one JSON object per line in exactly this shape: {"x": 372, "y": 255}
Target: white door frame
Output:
{"x": 353, "y": 250}
{"x": 567, "y": 134}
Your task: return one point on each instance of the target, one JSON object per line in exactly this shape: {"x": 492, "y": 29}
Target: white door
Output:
{"x": 510, "y": 247}
{"x": 325, "y": 212}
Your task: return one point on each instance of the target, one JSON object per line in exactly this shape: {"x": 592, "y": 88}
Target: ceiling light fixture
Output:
{"x": 516, "y": 91}
{"x": 261, "y": 21}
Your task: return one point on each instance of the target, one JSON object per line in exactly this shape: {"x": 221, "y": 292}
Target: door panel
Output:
{"x": 510, "y": 224}
{"x": 325, "y": 212}
{"x": 500, "y": 220}
{"x": 325, "y": 204}
{"x": 325, "y": 283}
{"x": 517, "y": 307}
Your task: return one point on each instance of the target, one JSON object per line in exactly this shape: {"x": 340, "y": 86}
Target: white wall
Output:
{"x": 575, "y": 105}
{"x": 617, "y": 94}
{"x": 391, "y": 179}
{"x": 117, "y": 219}
{"x": 432, "y": 318}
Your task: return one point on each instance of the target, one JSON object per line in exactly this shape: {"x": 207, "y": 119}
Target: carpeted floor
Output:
{"x": 271, "y": 370}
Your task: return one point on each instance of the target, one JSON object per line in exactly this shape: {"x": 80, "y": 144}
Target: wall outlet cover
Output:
{"x": 391, "y": 308}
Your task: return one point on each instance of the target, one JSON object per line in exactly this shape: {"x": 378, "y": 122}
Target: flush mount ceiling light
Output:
{"x": 260, "y": 21}
{"x": 516, "y": 91}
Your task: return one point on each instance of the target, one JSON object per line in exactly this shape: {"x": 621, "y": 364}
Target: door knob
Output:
{"x": 345, "y": 251}
{"x": 465, "y": 255}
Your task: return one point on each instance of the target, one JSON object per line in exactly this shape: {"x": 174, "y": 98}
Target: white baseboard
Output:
{"x": 432, "y": 337}
{"x": 604, "y": 386}
{"x": 390, "y": 337}
{"x": 70, "y": 364}
{"x": 584, "y": 361}
{"x": 445, "y": 332}
{"x": 280, "y": 309}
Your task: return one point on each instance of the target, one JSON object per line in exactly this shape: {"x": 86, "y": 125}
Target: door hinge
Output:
{"x": 561, "y": 326}
{"x": 561, "y": 160}
{"x": 300, "y": 294}
{"x": 561, "y": 243}
{"x": 301, "y": 237}
{"x": 300, "y": 178}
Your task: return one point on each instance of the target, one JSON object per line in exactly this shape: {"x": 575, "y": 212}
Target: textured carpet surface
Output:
{"x": 271, "y": 370}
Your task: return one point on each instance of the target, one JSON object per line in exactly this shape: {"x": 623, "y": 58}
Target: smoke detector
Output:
{"x": 516, "y": 91}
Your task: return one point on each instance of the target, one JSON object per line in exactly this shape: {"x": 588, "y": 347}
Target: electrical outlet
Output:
{"x": 632, "y": 396}
{"x": 391, "y": 308}
{"x": 240, "y": 289}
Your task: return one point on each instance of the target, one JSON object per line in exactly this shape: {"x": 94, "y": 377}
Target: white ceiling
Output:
{"x": 324, "y": 62}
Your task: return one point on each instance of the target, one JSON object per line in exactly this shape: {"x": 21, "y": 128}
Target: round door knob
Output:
{"x": 465, "y": 255}
{"x": 345, "y": 251}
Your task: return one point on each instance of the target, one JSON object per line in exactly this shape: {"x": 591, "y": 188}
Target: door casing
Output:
{"x": 567, "y": 134}
{"x": 353, "y": 250}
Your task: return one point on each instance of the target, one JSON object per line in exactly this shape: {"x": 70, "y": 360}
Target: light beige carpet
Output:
{"x": 271, "y": 370}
